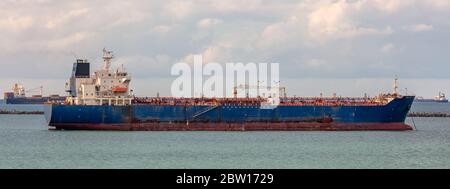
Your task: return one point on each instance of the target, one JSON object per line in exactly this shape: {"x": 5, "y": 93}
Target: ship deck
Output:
{"x": 287, "y": 101}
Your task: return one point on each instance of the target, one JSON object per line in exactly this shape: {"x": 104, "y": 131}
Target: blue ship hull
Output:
{"x": 190, "y": 117}
{"x": 33, "y": 100}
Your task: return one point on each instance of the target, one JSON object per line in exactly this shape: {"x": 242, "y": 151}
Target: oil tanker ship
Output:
{"x": 102, "y": 101}
{"x": 18, "y": 96}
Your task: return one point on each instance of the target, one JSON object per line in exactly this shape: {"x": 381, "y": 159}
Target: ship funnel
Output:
{"x": 80, "y": 70}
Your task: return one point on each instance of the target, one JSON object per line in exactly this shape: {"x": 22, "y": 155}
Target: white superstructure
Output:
{"x": 103, "y": 87}
{"x": 19, "y": 90}
{"x": 441, "y": 97}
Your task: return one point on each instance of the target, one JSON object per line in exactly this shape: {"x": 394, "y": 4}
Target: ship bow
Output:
{"x": 48, "y": 109}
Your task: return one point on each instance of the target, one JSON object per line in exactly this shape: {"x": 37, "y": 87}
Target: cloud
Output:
{"x": 16, "y": 23}
{"x": 143, "y": 66}
{"x": 393, "y": 6}
{"x": 66, "y": 41}
{"x": 316, "y": 63}
{"x": 179, "y": 9}
{"x": 208, "y": 22}
{"x": 52, "y": 23}
{"x": 161, "y": 29}
{"x": 333, "y": 21}
{"x": 440, "y": 4}
{"x": 309, "y": 38}
{"x": 387, "y": 48}
{"x": 420, "y": 28}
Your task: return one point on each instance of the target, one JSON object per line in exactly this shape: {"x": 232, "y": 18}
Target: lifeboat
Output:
{"x": 119, "y": 89}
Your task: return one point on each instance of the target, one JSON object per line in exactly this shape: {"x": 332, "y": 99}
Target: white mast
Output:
{"x": 107, "y": 56}
{"x": 395, "y": 85}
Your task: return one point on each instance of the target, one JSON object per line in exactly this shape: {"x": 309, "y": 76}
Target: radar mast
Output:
{"x": 107, "y": 57}
{"x": 395, "y": 87}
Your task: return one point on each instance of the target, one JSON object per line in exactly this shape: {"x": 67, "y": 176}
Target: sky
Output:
{"x": 350, "y": 47}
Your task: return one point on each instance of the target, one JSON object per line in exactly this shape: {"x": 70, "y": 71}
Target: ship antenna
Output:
{"x": 107, "y": 56}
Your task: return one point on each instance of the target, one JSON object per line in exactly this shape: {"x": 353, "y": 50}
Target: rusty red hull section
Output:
{"x": 239, "y": 127}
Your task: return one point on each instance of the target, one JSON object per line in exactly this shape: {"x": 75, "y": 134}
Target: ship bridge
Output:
{"x": 104, "y": 87}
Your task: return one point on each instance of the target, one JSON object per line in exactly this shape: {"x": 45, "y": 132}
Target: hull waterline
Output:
{"x": 239, "y": 127}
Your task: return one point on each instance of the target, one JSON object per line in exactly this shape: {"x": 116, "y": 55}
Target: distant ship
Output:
{"x": 18, "y": 96}
{"x": 102, "y": 101}
{"x": 440, "y": 99}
